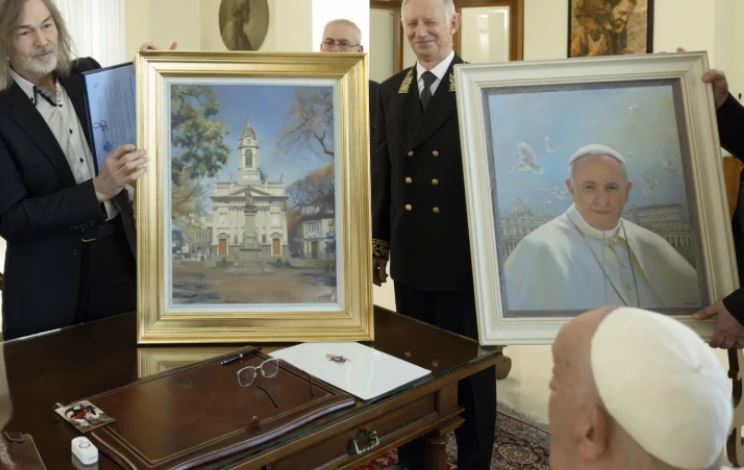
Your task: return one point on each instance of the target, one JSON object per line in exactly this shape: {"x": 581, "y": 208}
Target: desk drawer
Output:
{"x": 391, "y": 425}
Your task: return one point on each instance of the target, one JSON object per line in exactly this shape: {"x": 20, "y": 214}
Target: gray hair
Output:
{"x": 449, "y": 9}
{"x": 596, "y": 150}
{"x": 345, "y": 22}
{"x": 10, "y": 15}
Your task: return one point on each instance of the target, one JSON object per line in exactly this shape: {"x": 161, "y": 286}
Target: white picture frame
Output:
{"x": 528, "y": 96}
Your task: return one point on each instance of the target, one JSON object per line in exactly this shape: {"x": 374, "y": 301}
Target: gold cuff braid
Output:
{"x": 380, "y": 249}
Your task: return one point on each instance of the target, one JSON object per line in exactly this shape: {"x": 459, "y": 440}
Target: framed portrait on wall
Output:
{"x": 243, "y": 24}
{"x": 589, "y": 183}
{"x": 253, "y": 215}
{"x": 610, "y": 27}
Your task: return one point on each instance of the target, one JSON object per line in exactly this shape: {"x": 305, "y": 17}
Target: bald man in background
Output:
{"x": 342, "y": 35}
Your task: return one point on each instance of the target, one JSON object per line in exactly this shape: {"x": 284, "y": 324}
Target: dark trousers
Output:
{"x": 107, "y": 277}
{"x": 455, "y": 311}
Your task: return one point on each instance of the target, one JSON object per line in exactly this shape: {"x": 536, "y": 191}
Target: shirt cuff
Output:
{"x": 380, "y": 249}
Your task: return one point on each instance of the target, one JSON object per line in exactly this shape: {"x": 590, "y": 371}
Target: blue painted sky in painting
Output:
{"x": 267, "y": 107}
{"x": 637, "y": 119}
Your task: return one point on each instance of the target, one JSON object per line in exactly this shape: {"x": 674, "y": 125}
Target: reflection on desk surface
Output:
{"x": 153, "y": 360}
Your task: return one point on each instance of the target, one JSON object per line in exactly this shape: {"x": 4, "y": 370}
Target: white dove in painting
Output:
{"x": 527, "y": 160}
{"x": 650, "y": 185}
{"x": 549, "y": 145}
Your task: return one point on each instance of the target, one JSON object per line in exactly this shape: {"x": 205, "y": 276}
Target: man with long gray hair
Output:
{"x": 70, "y": 233}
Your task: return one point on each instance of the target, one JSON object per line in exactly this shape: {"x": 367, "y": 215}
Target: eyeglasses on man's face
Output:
{"x": 330, "y": 44}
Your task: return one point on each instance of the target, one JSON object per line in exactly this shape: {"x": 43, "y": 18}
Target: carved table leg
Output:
{"x": 503, "y": 363}
{"x": 436, "y": 452}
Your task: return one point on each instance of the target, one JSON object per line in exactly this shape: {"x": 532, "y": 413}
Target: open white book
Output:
{"x": 355, "y": 368}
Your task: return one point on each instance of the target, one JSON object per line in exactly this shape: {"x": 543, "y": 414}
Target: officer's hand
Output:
{"x": 729, "y": 332}
{"x": 720, "y": 85}
{"x": 379, "y": 270}
{"x": 122, "y": 167}
{"x": 151, "y": 46}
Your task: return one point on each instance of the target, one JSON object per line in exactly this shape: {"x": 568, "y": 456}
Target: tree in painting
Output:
{"x": 203, "y": 151}
{"x": 312, "y": 199}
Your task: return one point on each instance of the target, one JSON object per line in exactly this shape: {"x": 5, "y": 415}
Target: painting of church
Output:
{"x": 249, "y": 220}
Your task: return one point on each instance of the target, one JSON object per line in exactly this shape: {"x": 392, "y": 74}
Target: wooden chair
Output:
{"x": 732, "y": 168}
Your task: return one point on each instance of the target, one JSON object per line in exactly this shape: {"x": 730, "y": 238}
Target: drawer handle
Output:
{"x": 372, "y": 439}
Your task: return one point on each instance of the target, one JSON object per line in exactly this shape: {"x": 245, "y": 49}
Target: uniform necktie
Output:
{"x": 425, "y": 96}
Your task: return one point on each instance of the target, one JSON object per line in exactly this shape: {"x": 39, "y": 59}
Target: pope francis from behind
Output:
{"x": 590, "y": 256}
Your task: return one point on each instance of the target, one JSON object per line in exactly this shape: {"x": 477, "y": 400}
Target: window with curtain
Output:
{"x": 97, "y": 28}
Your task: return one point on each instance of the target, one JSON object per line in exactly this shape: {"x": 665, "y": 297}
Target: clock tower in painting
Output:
{"x": 248, "y": 158}
{"x": 249, "y": 219}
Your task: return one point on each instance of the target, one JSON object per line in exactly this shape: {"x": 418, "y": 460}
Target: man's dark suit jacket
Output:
{"x": 731, "y": 130}
{"x": 418, "y": 193}
{"x": 373, "y": 96}
{"x": 43, "y": 212}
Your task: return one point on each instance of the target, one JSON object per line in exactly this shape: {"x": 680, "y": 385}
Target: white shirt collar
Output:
{"x": 439, "y": 70}
{"x": 575, "y": 216}
{"x": 26, "y": 86}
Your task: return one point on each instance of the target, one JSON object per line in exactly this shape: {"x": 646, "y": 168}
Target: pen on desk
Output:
{"x": 236, "y": 357}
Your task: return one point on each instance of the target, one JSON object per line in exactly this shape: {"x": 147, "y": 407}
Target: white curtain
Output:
{"x": 97, "y": 28}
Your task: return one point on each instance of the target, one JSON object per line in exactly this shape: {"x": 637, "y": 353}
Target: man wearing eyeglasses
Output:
{"x": 419, "y": 217}
{"x": 343, "y": 35}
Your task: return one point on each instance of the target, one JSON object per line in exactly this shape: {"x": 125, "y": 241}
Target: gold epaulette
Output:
{"x": 405, "y": 85}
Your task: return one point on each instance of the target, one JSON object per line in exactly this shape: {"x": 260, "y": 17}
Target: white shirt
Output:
{"x": 68, "y": 132}
{"x": 438, "y": 70}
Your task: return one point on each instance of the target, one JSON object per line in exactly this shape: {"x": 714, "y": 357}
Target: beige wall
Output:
{"x": 709, "y": 25}
{"x": 693, "y": 24}
{"x": 194, "y": 23}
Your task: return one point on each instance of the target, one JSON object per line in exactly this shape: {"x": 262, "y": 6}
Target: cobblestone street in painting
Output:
{"x": 234, "y": 285}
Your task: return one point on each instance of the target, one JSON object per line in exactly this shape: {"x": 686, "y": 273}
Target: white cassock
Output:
{"x": 566, "y": 264}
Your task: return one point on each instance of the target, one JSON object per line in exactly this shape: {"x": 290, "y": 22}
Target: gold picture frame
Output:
{"x": 521, "y": 123}
{"x": 153, "y": 360}
{"x": 253, "y": 216}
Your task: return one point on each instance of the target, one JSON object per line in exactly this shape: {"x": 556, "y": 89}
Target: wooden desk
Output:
{"x": 87, "y": 359}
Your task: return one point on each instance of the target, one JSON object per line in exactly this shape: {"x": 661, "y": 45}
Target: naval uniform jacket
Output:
{"x": 731, "y": 130}
{"x": 418, "y": 193}
{"x": 43, "y": 212}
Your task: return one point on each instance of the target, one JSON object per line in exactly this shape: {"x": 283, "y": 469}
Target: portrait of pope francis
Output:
{"x": 590, "y": 255}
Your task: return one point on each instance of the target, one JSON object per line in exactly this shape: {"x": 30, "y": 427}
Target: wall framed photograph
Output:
{"x": 610, "y": 27}
{"x": 243, "y": 24}
{"x": 253, "y": 215}
{"x": 592, "y": 182}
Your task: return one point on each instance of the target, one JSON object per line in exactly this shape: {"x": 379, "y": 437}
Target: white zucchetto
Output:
{"x": 663, "y": 385}
{"x": 596, "y": 149}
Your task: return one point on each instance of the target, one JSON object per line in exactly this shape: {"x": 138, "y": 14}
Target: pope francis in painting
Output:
{"x": 591, "y": 256}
